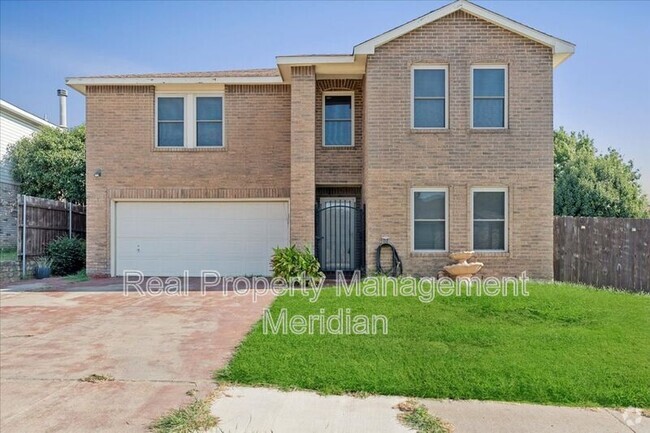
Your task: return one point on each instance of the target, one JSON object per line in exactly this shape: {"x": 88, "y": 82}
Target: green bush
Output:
{"x": 68, "y": 255}
{"x": 292, "y": 263}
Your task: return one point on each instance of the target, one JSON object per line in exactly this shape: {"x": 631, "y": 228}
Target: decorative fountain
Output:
{"x": 462, "y": 269}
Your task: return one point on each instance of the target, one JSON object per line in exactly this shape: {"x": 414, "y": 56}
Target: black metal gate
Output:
{"x": 340, "y": 235}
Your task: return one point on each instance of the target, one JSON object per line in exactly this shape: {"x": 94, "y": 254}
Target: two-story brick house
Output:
{"x": 441, "y": 129}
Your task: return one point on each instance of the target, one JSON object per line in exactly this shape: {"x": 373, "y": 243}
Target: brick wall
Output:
{"x": 340, "y": 165}
{"x": 120, "y": 141}
{"x": 520, "y": 158}
{"x": 303, "y": 154}
{"x": 8, "y": 214}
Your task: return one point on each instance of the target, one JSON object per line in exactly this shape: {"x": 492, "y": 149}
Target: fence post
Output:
{"x": 69, "y": 219}
{"x": 24, "y": 235}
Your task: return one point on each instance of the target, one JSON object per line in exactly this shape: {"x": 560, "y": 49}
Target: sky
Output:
{"x": 604, "y": 89}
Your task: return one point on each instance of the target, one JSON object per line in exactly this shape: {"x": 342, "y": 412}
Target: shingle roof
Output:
{"x": 269, "y": 72}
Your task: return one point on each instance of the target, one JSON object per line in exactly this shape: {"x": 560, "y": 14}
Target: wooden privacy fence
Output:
{"x": 40, "y": 221}
{"x": 603, "y": 252}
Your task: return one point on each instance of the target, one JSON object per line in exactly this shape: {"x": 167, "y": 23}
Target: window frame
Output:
{"x": 506, "y": 214}
{"x": 446, "y": 220}
{"x": 189, "y": 119}
{"x": 349, "y": 93}
{"x": 505, "y": 96}
{"x": 434, "y": 67}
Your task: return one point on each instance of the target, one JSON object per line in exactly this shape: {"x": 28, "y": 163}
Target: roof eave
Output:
{"x": 81, "y": 83}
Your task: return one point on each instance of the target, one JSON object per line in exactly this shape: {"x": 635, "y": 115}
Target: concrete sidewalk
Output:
{"x": 264, "y": 410}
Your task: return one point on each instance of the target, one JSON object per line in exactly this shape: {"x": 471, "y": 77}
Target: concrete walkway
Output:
{"x": 264, "y": 410}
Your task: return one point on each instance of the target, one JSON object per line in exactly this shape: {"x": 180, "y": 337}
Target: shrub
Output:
{"x": 68, "y": 255}
{"x": 292, "y": 263}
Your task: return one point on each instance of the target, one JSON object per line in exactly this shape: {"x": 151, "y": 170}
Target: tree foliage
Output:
{"x": 591, "y": 184}
{"x": 52, "y": 164}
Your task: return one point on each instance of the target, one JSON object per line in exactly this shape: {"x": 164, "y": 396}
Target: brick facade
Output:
{"x": 341, "y": 165}
{"x": 303, "y": 154}
{"x": 273, "y": 148}
{"x": 120, "y": 141}
{"x": 519, "y": 158}
{"x": 8, "y": 215}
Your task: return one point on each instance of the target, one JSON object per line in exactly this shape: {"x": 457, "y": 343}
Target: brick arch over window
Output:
{"x": 343, "y": 165}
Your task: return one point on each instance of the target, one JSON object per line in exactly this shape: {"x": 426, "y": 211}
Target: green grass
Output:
{"x": 193, "y": 418}
{"x": 564, "y": 344}
{"x": 8, "y": 255}
{"x": 78, "y": 277}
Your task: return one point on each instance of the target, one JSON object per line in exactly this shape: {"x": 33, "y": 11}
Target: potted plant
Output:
{"x": 43, "y": 268}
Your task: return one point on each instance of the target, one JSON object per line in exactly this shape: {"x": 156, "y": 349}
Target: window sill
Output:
{"x": 489, "y": 130}
{"x": 430, "y": 130}
{"x": 478, "y": 254}
{"x": 190, "y": 149}
{"x": 436, "y": 254}
{"x": 338, "y": 147}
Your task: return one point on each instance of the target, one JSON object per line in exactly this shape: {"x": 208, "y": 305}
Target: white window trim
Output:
{"x": 349, "y": 93}
{"x": 506, "y": 213}
{"x": 430, "y": 67}
{"x": 189, "y": 119}
{"x": 412, "y": 200}
{"x": 505, "y": 96}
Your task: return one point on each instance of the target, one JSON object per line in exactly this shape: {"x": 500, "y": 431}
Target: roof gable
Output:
{"x": 562, "y": 49}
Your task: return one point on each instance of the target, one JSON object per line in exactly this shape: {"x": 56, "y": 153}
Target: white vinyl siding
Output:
{"x": 12, "y": 129}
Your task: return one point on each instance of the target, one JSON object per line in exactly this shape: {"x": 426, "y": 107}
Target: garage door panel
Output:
{"x": 167, "y": 238}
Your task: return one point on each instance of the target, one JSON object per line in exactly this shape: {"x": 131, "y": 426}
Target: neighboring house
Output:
{"x": 15, "y": 123}
{"x": 441, "y": 129}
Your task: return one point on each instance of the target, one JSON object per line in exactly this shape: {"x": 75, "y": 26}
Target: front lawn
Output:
{"x": 563, "y": 344}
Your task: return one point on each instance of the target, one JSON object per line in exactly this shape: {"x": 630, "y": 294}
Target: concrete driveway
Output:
{"x": 157, "y": 348}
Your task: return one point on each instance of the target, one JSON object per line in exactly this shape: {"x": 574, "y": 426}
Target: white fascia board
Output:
{"x": 561, "y": 48}
{"x": 24, "y": 115}
{"x": 80, "y": 83}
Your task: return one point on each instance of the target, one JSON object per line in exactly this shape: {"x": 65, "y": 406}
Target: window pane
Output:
{"x": 429, "y": 205}
{"x": 429, "y": 113}
{"x": 429, "y": 82}
{"x": 170, "y": 134}
{"x": 489, "y": 205}
{"x": 209, "y": 134}
{"x": 338, "y": 133}
{"x": 488, "y": 113}
{"x": 489, "y": 82}
{"x": 429, "y": 235}
{"x": 208, "y": 108}
{"x": 170, "y": 108}
{"x": 338, "y": 107}
{"x": 489, "y": 235}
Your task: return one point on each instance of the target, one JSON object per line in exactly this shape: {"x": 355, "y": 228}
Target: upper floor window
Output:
{"x": 489, "y": 96}
{"x": 189, "y": 120}
{"x": 171, "y": 121}
{"x": 429, "y": 229}
{"x": 489, "y": 215}
{"x": 338, "y": 119}
{"x": 429, "y": 105}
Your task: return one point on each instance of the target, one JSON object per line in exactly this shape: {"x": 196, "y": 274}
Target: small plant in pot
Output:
{"x": 43, "y": 268}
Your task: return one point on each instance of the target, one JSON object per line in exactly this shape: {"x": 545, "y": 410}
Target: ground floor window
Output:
{"x": 489, "y": 219}
{"x": 429, "y": 214}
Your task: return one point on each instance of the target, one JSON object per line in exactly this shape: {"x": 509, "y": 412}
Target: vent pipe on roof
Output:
{"x": 63, "y": 108}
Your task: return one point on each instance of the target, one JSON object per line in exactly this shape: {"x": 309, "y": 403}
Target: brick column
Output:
{"x": 303, "y": 154}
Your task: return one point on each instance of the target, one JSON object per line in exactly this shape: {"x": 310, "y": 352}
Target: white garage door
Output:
{"x": 168, "y": 238}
